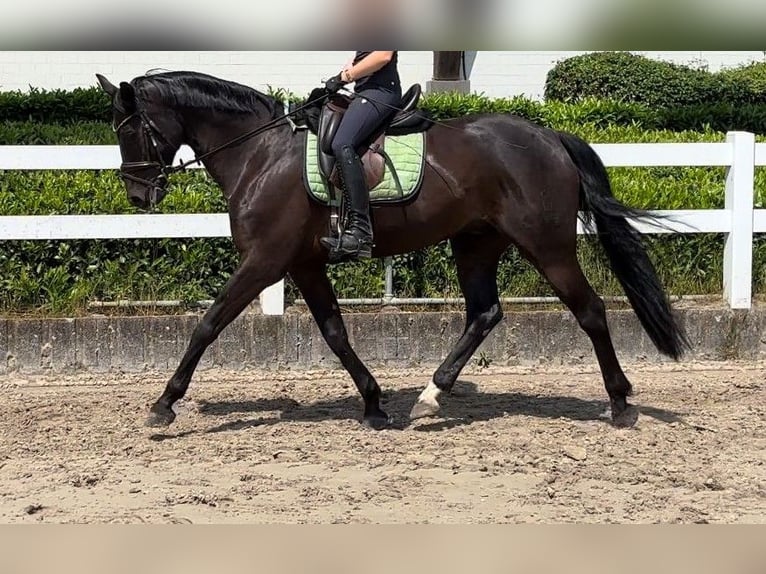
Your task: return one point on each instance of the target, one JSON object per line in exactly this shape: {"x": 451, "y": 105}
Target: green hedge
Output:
{"x": 632, "y": 78}
{"x": 663, "y": 95}
{"x": 34, "y": 133}
{"x": 751, "y": 78}
{"x": 64, "y": 117}
{"x": 55, "y": 106}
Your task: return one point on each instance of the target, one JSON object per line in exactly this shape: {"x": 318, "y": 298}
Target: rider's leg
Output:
{"x": 363, "y": 117}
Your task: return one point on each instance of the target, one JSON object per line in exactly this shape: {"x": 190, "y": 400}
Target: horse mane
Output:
{"x": 201, "y": 91}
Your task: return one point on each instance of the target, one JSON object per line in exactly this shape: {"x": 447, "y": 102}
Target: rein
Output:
{"x": 246, "y": 136}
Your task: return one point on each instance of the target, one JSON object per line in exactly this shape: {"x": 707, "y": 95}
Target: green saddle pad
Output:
{"x": 407, "y": 153}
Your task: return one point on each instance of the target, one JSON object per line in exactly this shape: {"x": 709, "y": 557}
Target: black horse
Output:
{"x": 491, "y": 180}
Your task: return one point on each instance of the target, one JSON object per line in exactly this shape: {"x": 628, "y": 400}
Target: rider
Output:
{"x": 378, "y": 93}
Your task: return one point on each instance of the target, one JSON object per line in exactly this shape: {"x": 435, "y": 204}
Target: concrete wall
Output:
{"x": 496, "y": 73}
{"x": 387, "y": 339}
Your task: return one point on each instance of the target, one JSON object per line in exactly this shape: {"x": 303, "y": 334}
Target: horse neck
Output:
{"x": 205, "y": 131}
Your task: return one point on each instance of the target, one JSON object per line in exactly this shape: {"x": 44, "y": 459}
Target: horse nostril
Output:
{"x": 136, "y": 201}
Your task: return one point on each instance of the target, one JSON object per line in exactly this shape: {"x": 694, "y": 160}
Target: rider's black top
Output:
{"x": 387, "y": 77}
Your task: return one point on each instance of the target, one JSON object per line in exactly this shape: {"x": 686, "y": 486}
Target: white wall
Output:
{"x": 496, "y": 73}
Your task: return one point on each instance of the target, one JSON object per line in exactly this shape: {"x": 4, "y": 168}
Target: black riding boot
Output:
{"x": 356, "y": 240}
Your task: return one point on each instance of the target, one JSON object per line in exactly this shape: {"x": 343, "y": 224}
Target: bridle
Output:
{"x": 151, "y": 131}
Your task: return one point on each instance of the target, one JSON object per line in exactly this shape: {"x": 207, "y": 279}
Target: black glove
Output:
{"x": 317, "y": 94}
{"x": 334, "y": 84}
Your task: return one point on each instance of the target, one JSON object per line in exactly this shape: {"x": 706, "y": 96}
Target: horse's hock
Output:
{"x": 384, "y": 339}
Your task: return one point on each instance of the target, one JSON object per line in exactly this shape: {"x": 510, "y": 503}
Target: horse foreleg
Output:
{"x": 253, "y": 275}
{"x": 319, "y": 296}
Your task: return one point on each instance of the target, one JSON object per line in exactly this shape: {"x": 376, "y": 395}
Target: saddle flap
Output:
{"x": 329, "y": 120}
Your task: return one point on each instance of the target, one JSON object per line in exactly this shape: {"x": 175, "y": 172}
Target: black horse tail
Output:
{"x": 624, "y": 249}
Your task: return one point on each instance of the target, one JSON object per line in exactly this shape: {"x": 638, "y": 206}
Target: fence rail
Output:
{"x": 738, "y": 221}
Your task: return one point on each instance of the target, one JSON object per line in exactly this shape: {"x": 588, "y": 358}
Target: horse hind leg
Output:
{"x": 323, "y": 304}
{"x": 477, "y": 258}
{"x": 568, "y": 280}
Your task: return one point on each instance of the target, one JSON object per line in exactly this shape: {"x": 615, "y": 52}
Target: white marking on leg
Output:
{"x": 430, "y": 395}
{"x": 427, "y": 404}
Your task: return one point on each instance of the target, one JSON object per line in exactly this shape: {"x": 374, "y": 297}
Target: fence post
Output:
{"x": 388, "y": 294}
{"x": 738, "y": 247}
{"x": 273, "y": 299}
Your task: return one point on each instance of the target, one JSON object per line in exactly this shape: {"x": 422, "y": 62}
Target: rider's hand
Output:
{"x": 334, "y": 84}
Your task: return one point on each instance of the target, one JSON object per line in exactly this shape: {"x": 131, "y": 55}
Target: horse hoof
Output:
{"x": 423, "y": 410}
{"x": 378, "y": 422}
{"x": 625, "y": 419}
{"x": 160, "y": 417}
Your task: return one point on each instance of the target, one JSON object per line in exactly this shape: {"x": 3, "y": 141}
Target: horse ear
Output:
{"x": 106, "y": 85}
{"x": 128, "y": 96}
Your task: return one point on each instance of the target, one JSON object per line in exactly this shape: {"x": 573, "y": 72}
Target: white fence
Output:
{"x": 738, "y": 221}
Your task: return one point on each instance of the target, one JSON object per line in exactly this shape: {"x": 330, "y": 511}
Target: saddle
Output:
{"x": 407, "y": 120}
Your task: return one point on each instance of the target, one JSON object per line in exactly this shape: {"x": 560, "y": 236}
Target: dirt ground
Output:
{"x": 514, "y": 445}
